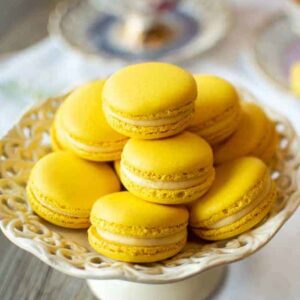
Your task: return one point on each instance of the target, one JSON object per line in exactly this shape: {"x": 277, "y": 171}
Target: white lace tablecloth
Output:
{"x": 49, "y": 69}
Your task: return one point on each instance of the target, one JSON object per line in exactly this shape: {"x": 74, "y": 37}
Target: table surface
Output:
{"x": 272, "y": 273}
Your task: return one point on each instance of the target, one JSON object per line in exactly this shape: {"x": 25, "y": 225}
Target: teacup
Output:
{"x": 149, "y": 7}
{"x": 141, "y": 20}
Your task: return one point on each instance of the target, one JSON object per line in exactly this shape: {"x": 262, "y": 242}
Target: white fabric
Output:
{"x": 48, "y": 69}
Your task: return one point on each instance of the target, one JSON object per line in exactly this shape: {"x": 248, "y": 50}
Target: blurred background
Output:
{"x": 92, "y": 38}
{"x": 23, "y": 22}
{"x": 255, "y": 44}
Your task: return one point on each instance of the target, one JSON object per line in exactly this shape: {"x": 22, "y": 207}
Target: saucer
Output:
{"x": 197, "y": 26}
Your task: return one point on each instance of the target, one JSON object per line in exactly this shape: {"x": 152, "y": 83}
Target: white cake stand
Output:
{"x": 194, "y": 273}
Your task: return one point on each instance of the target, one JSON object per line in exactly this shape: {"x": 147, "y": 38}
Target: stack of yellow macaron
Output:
{"x": 183, "y": 147}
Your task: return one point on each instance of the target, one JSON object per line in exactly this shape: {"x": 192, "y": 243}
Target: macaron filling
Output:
{"x": 246, "y": 210}
{"x": 137, "y": 241}
{"x": 167, "y": 185}
{"x": 100, "y": 147}
{"x": 219, "y": 130}
{"x": 256, "y": 135}
{"x": 183, "y": 113}
{"x": 230, "y": 114}
{"x": 94, "y": 147}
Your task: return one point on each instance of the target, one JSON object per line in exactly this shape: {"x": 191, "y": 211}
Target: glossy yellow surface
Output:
{"x": 149, "y": 88}
{"x": 149, "y": 100}
{"x": 117, "y": 167}
{"x": 130, "y": 217}
{"x": 215, "y": 96}
{"x": 55, "y": 145}
{"x": 217, "y": 104}
{"x": 185, "y": 152}
{"x": 129, "y": 211}
{"x": 243, "y": 224}
{"x": 238, "y": 184}
{"x": 255, "y": 136}
{"x": 174, "y": 170}
{"x": 81, "y": 127}
{"x": 64, "y": 184}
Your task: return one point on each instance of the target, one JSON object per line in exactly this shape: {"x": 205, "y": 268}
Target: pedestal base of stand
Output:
{"x": 195, "y": 288}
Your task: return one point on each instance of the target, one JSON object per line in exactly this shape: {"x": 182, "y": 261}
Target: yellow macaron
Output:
{"x": 149, "y": 100}
{"x": 117, "y": 167}
{"x": 255, "y": 136}
{"x": 295, "y": 78}
{"x": 80, "y": 126}
{"x": 129, "y": 229}
{"x": 240, "y": 197}
{"x": 55, "y": 144}
{"x": 63, "y": 187}
{"x": 217, "y": 109}
{"x": 174, "y": 170}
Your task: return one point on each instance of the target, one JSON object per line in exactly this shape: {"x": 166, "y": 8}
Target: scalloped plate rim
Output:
{"x": 195, "y": 267}
{"x": 28, "y": 247}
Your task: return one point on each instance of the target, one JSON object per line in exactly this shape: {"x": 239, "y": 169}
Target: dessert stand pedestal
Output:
{"x": 197, "y": 287}
{"x": 196, "y": 272}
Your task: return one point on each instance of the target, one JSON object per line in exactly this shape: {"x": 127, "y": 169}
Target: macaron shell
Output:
{"x": 149, "y": 89}
{"x": 268, "y": 147}
{"x": 242, "y": 225}
{"x": 237, "y": 184}
{"x": 56, "y": 218}
{"x": 170, "y": 197}
{"x": 97, "y": 154}
{"x": 80, "y": 126}
{"x": 117, "y": 167}
{"x": 217, "y": 109}
{"x": 126, "y": 214}
{"x": 55, "y": 144}
{"x": 136, "y": 254}
{"x": 177, "y": 154}
{"x": 155, "y": 131}
{"x": 270, "y": 151}
{"x": 248, "y": 138}
{"x": 219, "y": 128}
{"x": 70, "y": 185}
{"x": 215, "y": 97}
{"x": 82, "y": 115}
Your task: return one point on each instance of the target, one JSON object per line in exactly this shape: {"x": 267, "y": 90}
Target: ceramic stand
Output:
{"x": 194, "y": 288}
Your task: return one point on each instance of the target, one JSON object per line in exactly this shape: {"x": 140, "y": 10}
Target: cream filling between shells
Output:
{"x": 57, "y": 209}
{"x": 165, "y": 185}
{"x": 235, "y": 217}
{"x": 89, "y": 148}
{"x": 133, "y": 241}
{"x": 156, "y": 122}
